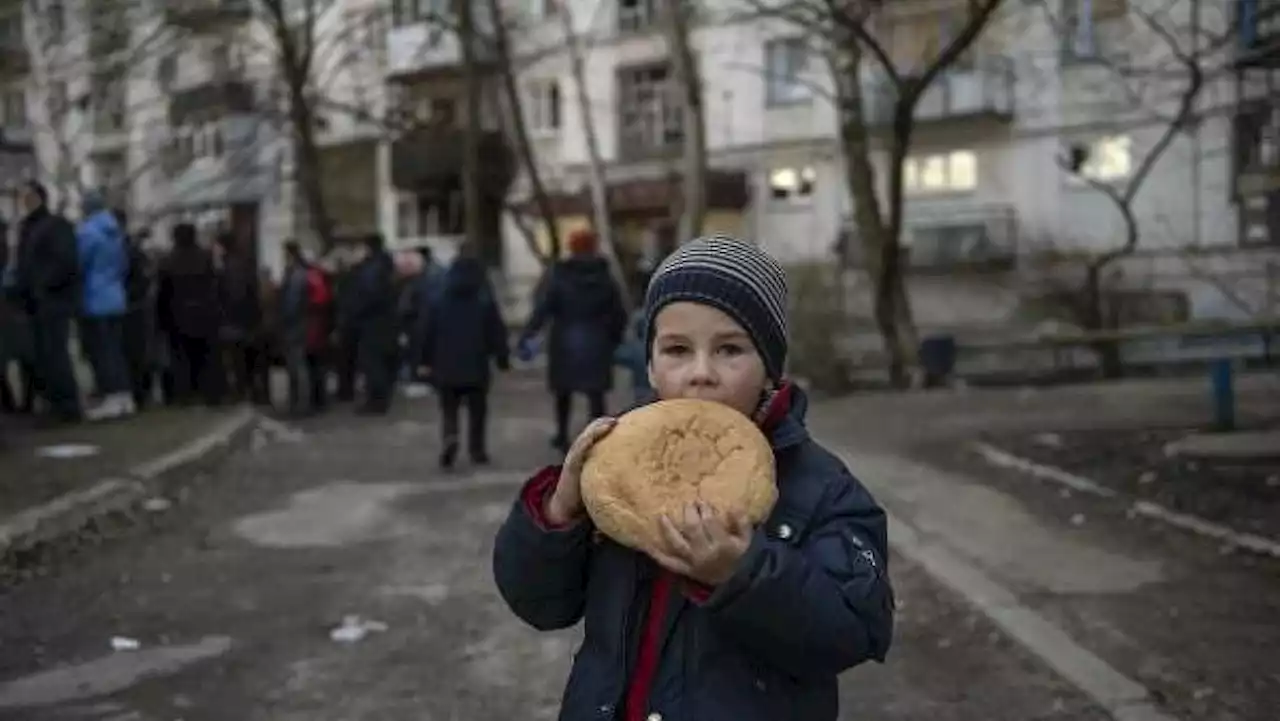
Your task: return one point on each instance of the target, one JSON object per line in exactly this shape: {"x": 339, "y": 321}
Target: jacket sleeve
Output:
{"x": 820, "y": 608}
{"x": 541, "y": 570}
{"x": 496, "y": 332}
{"x": 62, "y": 269}
{"x": 544, "y": 308}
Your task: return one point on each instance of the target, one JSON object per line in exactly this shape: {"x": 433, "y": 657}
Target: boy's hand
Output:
{"x": 565, "y": 503}
{"x": 703, "y": 545}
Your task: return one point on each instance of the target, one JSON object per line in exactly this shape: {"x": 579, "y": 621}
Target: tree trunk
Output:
{"x": 471, "y": 166}
{"x": 688, "y": 82}
{"x": 1099, "y": 318}
{"x": 307, "y": 170}
{"x": 891, "y": 307}
{"x": 520, "y": 129}
{"x": 599, "y": 184}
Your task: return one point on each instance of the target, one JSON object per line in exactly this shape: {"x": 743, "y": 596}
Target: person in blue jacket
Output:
{"x": 104, "y": 268}
{"x": 727, "y": 622}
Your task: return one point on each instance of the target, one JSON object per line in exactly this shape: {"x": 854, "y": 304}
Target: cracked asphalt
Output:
{"x": 232, "y": 594}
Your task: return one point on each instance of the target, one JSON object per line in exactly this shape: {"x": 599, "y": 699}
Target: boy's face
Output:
{"x": 700, "y": 352}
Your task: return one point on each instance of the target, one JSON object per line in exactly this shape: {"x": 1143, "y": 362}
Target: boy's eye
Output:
{"x": 732, "y": 349}
{"x": 675, "y": 350}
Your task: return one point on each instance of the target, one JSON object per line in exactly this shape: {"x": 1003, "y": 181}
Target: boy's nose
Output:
{"x": 703, "y": 371}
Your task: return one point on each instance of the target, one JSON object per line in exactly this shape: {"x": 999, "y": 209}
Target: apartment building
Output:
{"x": 985, "y": 192}
{"x": 423, "y": 159}
{"x": 17, "y": 154}
{"x": 177, "y": 111}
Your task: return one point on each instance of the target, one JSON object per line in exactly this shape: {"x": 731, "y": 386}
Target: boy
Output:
{"x": 727, "y": 623}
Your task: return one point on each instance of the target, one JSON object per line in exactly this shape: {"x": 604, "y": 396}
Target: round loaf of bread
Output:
{"x": 662, "y": 457}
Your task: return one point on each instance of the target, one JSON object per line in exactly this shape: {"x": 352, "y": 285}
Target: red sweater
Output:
{"x": 640, "y": 684}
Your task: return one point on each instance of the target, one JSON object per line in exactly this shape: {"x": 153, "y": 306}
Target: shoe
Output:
{"x": 560, "y": 443}
{"x": 448, "y": 455}
{"x": 113, "y": 406}
{"x": 480, "y": 458}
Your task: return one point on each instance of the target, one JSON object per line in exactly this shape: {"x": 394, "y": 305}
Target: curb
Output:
{"x": 69, "y": 513}
{"x": 1121, "y": 697}
{"x": 1194, "y": 524}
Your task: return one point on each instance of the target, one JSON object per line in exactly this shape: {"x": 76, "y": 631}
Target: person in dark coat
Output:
{"x": 582, "y": 303}
{"x": 241, "y": 301}
{"x": 723, "y": 621}
{"x": 187, "y": 303}
{"x": 15, "y": 338}
{"x": 46, "y": 285}
{"x": 139, "y": 320}
{"x": 457, "y": 341}
{"x": 368, "y": 321}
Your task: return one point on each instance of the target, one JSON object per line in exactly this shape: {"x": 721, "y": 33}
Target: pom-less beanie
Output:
{"x": 734, "y": 276}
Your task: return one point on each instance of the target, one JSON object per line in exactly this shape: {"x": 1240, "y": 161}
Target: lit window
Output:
{"x": 953, "y": 172}
{"x": 1110, "y": 158}
{"x": 792, "y": 184}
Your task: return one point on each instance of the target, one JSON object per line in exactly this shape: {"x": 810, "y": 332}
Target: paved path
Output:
{"x": 233, "y": 596}
{"x": 1138, "y": 609}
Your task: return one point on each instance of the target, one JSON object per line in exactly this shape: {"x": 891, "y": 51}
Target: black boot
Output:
{"x": 449, "y": 454}
{"x": 480, "y": 457}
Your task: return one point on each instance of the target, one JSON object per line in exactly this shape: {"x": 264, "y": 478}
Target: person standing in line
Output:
{"x": 582, "y": 303}
{"x": 47, "y": 287}
{"x": 241, "y": 313}
{"x": 139, "y": 319}
{"x": 104, "y": 266}
{"x": 456, "y": 342}
{"x": 369, "y": 321}
{"x": 304, "y": 330}
{"x": 187, "y": 302}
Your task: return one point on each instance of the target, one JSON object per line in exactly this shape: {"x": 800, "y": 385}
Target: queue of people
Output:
{"x": 201, "y": 323}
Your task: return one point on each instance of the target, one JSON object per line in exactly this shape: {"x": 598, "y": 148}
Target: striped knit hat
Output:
{"x": 734, "y": 276}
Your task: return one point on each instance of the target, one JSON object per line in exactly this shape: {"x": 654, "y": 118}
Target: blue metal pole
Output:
{"x": 1221, "y": 373}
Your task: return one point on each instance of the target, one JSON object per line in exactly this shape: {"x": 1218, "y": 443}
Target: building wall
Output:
{"x": 1185, "y": 200}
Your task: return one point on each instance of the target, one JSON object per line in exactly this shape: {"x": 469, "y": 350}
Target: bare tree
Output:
{"x": 295, "y": 30}
{"x": 524, "y": 146}
{"x": 850, "y": 34}
{"x": 1182, "y": 60}
{"x": 688, "y": 82}
{"x": 601, "y": 212}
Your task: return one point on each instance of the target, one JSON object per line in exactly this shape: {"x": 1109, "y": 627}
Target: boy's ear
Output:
{"x": 648, "y": 366}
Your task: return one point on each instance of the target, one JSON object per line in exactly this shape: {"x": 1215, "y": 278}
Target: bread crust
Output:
{"x": 662, "y": 457}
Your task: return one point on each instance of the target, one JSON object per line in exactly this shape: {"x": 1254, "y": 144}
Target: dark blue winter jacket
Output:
{"x": 462, "y": 333}
{"x": 810, "y": 598}
{"x": 583, "y": 305}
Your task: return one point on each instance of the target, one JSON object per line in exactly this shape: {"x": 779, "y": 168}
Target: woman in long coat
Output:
{"x": 583, "y": 306}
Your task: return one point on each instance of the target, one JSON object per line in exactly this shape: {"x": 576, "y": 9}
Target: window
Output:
{"x": 412, "y": 12}
{"x": 427, "y": 214}
{"x": 790, "y": 185}
{"x": 1108, "y": 159}
{"x": 651, "y": 115}
{"x": 541, "y": 9}
{"x": 542, "y": 106}
{"x": 637, "y": 15}
{"x": 786, "y": 62}
{"x": 13, "y": 108}
{"x": 11, "y": 28}
{"x": 1081, "y": 19}
{"x": 953, "y": 172}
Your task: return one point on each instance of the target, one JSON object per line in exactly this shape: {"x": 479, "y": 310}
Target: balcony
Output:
{"x": 213, "y": 99}
{"x": 975, "y": 240}
{"x": 1259, "y": 33}
{"x": 432, "y": 157}
{"x": 428, "y": 47}
{"x": 207, "y": 15}
{"x": 15, "y": 60}
{"x": 982, "y": 89}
